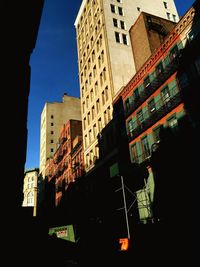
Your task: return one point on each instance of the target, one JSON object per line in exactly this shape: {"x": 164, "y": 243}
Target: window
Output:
{"x": 51, "y": 132}
{"x": 97, "y": 105}
{"x": 93, "y": 112}
{"x": 136, "y": 94}
{"x": 120, "y": 11}
{"x": 124, "y": 38}
{"x": 119, "y": 1}
{"x": 51, "y": 141}
{"x": 112, "y": 8}
{"x": 51, "y": 149}
{"x": 165, "y": 4}
{"x": 51, "y": 123}
{"x": 168, "y": 15}
{"x": 145, "y": 146}
{"x": 174, "y": 17}
{"x": 152, "y": 106}
{"x": 51, "y": 116}
{"x": 172, "y": 122}
{"x": 134, "y": 156}
{"x": 165, "y": 95}
{"x": 146, "y": 81}
{"x": 117, "y": 37}
{"x": 122, "y": 24}
{"x": 115, "y": 22}
{"x": 30, "y": 199}
{"x": 159, "y": 68}
{"x": 140, "y": 117}
{"x": 127, "y": 105}
{"x": 138, "y": 9}
{"x": 156, "y": 133}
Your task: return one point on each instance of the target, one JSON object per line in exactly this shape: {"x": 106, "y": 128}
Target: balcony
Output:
{"x": 155, "y": 116}
{"x": 154, "y": 85}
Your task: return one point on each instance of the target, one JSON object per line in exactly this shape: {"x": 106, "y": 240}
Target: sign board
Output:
{"x": 64, "y": 232}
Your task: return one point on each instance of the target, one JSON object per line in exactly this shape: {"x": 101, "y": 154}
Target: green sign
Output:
{"x": 64, "y": 232}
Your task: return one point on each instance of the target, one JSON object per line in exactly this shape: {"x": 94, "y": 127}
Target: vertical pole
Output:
{"x": 125, "y": 208}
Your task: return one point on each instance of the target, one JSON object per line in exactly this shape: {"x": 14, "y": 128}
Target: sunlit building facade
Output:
{"x": 105, "y": 59}
{"x": 53, "y": 117}
{"x": 30, "y": 189}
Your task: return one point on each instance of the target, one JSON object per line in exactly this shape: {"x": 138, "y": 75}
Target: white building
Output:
{"x": 30, "y": 189}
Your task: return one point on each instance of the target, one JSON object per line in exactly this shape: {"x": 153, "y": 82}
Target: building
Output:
{"x": 53, "y": 116}
{"x": 30, "y": 189}
{"x": 78, "y": 169}
{"x": 155, "y": 102}
{"x": 105, "y": 59}
{"x": 147, "y": 34}
{"x": 59, "y": 167}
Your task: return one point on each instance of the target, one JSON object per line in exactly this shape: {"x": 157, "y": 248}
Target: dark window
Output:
{"x": 134, "y": 153}
{"x": 136, "y": 94}
{"x": 147, "y": 81}
{"x": 115, "y": 22}
{"x": 51, "y": 123}
{"x": 140, "y": 117}
{"x": 122, "y": 24}
{"x": 124, "y": 38}
{"x": 51, "y": 132}
{"x": 127, "y": 104}
{"x": 51, "y": 141}
{"x": 145, "y": 146}
{"x": 120, "y": 11}
{"x": 152, "y": 106}
{"x": 165, "y": 4}
{"x": 159, "y": 68}
{"x": 51, "y": 116}
{"x": 156, "y": 133}
{"x": 165, "y": 94}
{"x": 112, "y": 8}
{"x": 173, "y": 52}
{"x": 117, "y": 37}
{"x": 51, "y": 149}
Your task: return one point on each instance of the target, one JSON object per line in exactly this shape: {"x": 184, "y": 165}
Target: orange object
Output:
{"x": 124, "y": 242}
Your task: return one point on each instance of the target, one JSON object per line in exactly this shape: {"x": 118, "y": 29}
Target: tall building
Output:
{"x": 53, "y": 117}
{"x": 105, "y": 58}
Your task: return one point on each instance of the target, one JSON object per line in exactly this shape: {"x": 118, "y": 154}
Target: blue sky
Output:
{"x": 54, "y": 68}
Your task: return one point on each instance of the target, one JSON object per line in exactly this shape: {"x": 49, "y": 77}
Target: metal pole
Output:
{"x": 125, "y": 208}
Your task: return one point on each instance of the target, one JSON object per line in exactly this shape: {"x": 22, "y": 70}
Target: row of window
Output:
{"x": 154, "y": 104}
{"x": 92, "y": 156}
{"x": 142, "y": 149}
{"x": 88, "y": 12}
{"x": 90, "y": 63}
{"x": 117, "y": 10}
{"x": 92, "y": 133}
{"x": 88, "y": 83}
{"x": 151, "y": 77}
{"x": 87, "y": 39}
{"x": 95, "y": 109}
